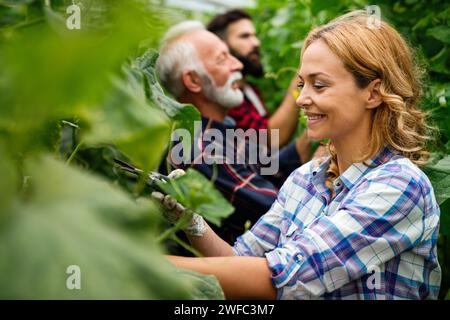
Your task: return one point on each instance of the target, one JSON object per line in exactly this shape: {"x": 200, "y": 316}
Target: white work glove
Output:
{"x": 174, "y": 211}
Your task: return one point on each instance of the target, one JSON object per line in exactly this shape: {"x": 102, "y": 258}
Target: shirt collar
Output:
{"x": 353, "y": 173}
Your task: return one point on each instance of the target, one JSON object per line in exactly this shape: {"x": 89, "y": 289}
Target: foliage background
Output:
{"x": 71, "y": 101}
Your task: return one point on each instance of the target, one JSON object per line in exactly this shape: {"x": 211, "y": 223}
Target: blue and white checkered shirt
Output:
{"x": 375, "y": 240}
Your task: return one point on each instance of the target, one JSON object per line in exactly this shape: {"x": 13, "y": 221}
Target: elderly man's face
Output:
{"x": 216, "y": 57}
{"x": 221, "y": 83}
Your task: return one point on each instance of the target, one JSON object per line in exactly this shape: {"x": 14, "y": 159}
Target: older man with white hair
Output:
{"x": 197, "y": 68}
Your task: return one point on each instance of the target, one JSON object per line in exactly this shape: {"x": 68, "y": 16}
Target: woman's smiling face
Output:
{"x": 336, "y": 108}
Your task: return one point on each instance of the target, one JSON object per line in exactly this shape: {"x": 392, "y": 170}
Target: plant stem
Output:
{"x": 186, "y": 246}
{"x": 74, "y": 152}
{"x": 177, "y": 226}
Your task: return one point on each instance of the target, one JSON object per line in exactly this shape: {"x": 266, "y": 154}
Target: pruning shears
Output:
{"x": 153, "y": 177}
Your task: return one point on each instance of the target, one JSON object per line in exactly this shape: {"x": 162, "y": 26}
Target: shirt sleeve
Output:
{"x": 264, "y": 235}
{"x": 381, "y": 218}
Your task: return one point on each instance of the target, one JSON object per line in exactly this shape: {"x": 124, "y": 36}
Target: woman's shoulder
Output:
{"x": 400, "y": 172}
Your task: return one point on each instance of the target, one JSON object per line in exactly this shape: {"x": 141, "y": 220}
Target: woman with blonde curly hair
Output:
{"x": 363, "y": 223}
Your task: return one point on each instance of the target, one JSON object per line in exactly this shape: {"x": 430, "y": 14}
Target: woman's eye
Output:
{"x": 319, "y": 86}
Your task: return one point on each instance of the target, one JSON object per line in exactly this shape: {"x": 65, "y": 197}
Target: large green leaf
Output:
{"x": 183, "y": 114}
{"x": 73, "y": 218}
{"x": 206, "y": 287}
{"x": 9, "y": 183}
{"x": 50, "y": 72}
{"x": 441, "y": 33}
{"x": 199, "y": 194}
{"x": 439, "y": 175}
{"x": 444, "y": 223}
{"x": 126, "y": 121}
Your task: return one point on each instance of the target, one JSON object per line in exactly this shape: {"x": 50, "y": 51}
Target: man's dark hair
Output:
{"x": 220, "y": 23}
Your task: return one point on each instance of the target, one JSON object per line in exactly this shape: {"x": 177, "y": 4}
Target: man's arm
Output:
{"x": 285, "y": 118}
{"x": 239, "y": 277}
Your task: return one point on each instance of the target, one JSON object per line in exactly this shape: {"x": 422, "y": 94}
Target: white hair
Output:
{"x": 176, "y": 56}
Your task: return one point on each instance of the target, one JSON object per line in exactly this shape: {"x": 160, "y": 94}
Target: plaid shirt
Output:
{"x": 247, "y": 116}
{"x": 375, "y": 240}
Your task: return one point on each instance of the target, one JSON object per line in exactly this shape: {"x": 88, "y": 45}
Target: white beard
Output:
{"x": 225, "y": 95}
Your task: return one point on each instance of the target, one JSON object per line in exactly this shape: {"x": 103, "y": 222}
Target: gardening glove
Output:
{"x": 174, "y": 211}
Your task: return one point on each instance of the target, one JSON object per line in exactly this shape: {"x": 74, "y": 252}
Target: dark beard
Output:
{"x": 251, "y": 67}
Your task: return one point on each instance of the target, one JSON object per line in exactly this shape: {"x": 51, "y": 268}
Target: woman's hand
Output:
{"x": 174, "y": 211}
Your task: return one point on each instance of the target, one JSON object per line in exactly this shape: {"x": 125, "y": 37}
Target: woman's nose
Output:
{"x": 303, "y": 99}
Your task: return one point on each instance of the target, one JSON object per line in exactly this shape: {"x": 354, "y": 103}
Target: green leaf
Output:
{"x": 185, "y": 118}
{"x": 441, "y": 33}
{"x": 9, "y": 183}
{"x": 184, "y": 114}
{"x": 319, "y": 5}
{"x": 444, "y": 223}
{"x": 73, "y": 218}
{"x": 196, "y": 192}
{"x": 438, "y": 63}
{"x": 59, "y": 73}
{"x": 139, "y": 131}
{"x": 206, "y": 287}
{"x": 439, "y": 175}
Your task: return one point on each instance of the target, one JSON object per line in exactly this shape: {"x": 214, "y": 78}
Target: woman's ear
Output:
{"x": 374, "y": 98}
{"x": 191, "y": 81}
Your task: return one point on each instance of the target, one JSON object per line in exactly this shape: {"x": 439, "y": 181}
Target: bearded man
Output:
{"x": 236, "y": 29}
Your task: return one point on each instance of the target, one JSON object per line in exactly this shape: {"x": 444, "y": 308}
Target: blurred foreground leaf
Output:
{"x": 207, "y": 287}
{"x": 66, "y": 221}
{"x": 9, "y": 184}
{"x": 124, "y": 120}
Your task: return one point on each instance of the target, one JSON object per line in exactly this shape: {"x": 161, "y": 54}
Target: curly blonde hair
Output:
{"x": 372, "y": 52}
